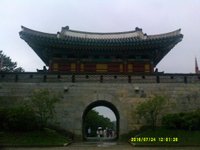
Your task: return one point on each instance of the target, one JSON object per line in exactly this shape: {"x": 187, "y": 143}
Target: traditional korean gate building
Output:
{"x": 115, "y": 70}
{"x": 71, "y": 51}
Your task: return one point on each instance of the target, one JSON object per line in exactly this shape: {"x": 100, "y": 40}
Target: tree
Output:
{"x": 94, "y": 120}
{"x": 150, "y": 109}
{"x": 43, "y": 102}
{"x": 6, "y": 64}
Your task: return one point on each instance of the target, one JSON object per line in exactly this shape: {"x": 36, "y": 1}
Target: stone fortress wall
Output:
{"x": 123, "y": 91}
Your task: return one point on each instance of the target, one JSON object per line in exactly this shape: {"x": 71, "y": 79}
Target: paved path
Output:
{"x": 103, "y": 146}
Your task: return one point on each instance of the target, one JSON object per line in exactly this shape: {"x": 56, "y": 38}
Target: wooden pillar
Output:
{"x": 78, "y": 68}
{"x": 125, "y": 67}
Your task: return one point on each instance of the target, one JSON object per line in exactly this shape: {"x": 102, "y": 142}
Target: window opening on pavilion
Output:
{"x": 96, "y": 57}
{"x": 57, "y": 56}
{"x": 85, "y": 56}
{"x": 71, "y": 56}
{"x": 145, "y": 57}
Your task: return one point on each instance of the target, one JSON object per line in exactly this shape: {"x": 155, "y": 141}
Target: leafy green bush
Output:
{"x": 32, "y": 116}
{"x": 18, "y": 119}
{"x": 186, "y": 121}
{"x": 172, "y": 121}
{"x": 191, "y": 121}
{"x": 3, "y": 119}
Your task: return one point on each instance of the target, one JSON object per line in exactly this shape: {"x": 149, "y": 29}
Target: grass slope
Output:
{"x": 46, "y": 137}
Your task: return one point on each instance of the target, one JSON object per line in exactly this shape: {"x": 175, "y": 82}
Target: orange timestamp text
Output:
{"x": 154, "y": 139}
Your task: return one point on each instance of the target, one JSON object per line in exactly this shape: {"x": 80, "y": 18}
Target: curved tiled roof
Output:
{"x": 137, "y": 33}
{"x": 95, "y": 35}
{"x": 118, "y": 43}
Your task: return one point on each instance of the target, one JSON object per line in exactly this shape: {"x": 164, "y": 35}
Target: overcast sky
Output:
{"x": 106, "y": 112}
{"x": 153, "y": 16}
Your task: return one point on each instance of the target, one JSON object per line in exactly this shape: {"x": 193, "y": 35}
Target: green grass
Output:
{"x": 160, "y": 136}
{"x": 46, "y": 137}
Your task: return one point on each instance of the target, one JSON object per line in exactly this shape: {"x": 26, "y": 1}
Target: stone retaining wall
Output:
{"x": 125, "y": 96}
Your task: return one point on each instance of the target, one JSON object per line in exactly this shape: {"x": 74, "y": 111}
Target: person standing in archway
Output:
{"x": 104, "y": 133}
{"x": 98, "y": 133}
{"x": 101, "y": 133}
{"x": 89, "y": 132}
{"x": 113, "y": 133}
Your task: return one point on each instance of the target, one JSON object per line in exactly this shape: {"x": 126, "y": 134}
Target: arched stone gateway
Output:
{"x": 100, "y": 103}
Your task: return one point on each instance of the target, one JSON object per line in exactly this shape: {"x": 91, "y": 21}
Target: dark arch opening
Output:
{"x": 96, "y": 104}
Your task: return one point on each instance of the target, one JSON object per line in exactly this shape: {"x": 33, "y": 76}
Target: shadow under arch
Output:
{"x": 96, "y": 104}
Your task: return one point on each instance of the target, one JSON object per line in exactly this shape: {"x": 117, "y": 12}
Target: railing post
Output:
{"x": 157, "y": 79}
{"x": 16, "y": 78}
{"x": 30, "y": 76}
{"x": 44, "y": 78}
{"x": 2, "y": 76}
{"x": 101, "y": 79}
{"x": 129, "y": 79}
{"x": 185, "y": 79}
{"x": 58, "y": 76}
{"x": 73, "y": 78}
